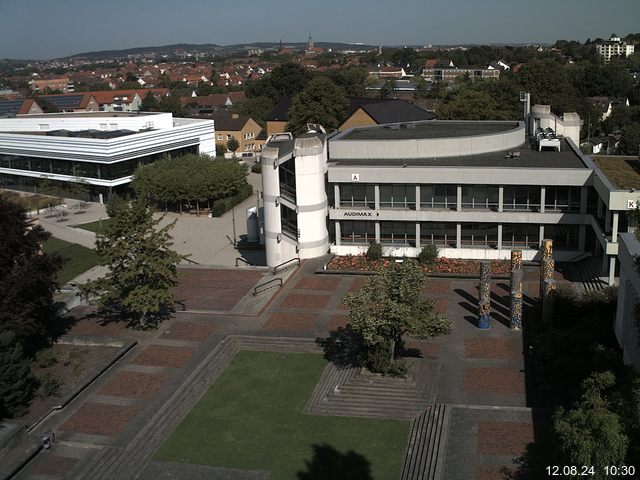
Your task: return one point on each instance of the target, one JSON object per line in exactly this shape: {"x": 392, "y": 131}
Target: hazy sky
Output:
{"x": 56, "y": 28}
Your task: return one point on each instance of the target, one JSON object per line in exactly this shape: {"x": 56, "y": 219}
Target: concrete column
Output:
{"x": 336, "y": 195}
{"x": 582, "y": 237}
{"x": 541, "y": 235}
{"x": 417, "y": 234}
{"x": 376, "y": 190}
{"x": 612, "y": 269}
{"x": 543, "y": 195}
{"x": 459, "y": 198}
{"x": 458, "y": 235}
{"x": 614, "y": 227}
{"x": 500, "y": 198}
{"x": 499, "y": 236}
{"x": 377, "y": 231}
{"x": 584, "y": 193}
{"x": 417, "y": 197}
{"x": 338, "y": 233}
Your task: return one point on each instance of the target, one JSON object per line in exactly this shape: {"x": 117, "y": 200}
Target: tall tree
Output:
{"x": 392, "y": 304}
{"x": 141, "y": 264}
{"x": 232, "y": 144}
{"x": 27, "y": 278}
{"x": 285, "y": 80}
{"x": 320, "y": 102}
{"x": 17, "y": 385}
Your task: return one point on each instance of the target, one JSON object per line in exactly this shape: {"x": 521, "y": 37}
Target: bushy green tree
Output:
{"x": 321, "y": 102}
{"x": 283, "y": 81}
{"x": 141, "y": 264}
{"x": 591, "y": 433}
{"x": 392, "y": 304}
{"x": 232, "y": 144}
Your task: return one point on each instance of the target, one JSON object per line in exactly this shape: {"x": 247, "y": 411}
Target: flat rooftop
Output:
{"x": 528, "y": 158}
{"x": 622, "y": 172}
{"x": 428, "y": 130}
{"x": 89, "y": 114}
{"x": 101, "y": 134}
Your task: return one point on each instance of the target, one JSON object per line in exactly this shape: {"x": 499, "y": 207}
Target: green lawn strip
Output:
{"x": 251, "y": 418}
{"x": 76, "y": 258}
{"x": 94, "y": 226}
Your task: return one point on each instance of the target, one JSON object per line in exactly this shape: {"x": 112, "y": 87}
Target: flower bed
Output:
{"x": 442, "y": 265}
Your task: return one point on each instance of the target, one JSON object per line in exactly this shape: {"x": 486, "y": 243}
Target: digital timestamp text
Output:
{"x": 588, "y": 471}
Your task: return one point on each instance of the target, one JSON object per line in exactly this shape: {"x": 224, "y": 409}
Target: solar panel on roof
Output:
{"x": 10, "y": 106}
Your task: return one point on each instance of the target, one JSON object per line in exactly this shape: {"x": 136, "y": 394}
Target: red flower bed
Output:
{"x": 443, "y": 265}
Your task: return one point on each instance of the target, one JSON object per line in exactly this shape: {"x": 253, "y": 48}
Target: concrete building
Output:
{"x": 241, "y": 127}
{"x": 626, "y": 325}
{"x": 100, "y": 149}
{"x": 614, "y": 47}
{"x": 62, "y": 84}
{"x": 476, "y": 189}
{"x": 449, "y": 74}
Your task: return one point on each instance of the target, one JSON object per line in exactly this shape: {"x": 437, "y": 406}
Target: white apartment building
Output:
{"x": 614, "y": 47}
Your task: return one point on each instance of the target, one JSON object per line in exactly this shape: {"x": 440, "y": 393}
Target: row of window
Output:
{"x": 482, "y": 197}
{"x": 484, "y": 235}
{"x": 75, "y": 168}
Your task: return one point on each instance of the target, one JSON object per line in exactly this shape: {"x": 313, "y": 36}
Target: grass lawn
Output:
{"x": 77, "y": 259}
{"x": 251, "y": 418}
{"x": 94, "y": 226}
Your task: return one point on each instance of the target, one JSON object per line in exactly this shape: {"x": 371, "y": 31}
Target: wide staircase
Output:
{"x": 586, "y": 275}
{"x": 353, "y": 392}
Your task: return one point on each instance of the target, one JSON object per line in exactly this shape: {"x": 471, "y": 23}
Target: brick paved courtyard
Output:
{"x": 481, "y": 373}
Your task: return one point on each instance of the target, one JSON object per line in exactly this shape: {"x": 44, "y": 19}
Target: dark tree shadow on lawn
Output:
{"x": 329, "y": 464}
{"x": 341, "y": 347}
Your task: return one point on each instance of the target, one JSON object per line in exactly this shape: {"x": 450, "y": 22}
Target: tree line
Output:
{"x": 196, "y": 180}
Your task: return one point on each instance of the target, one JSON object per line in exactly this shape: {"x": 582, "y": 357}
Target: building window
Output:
{"x": 287, "y": 175}
{"x": 219, "y": 137}
{"x": 525, "y": 198}
{"x": 228, "y": 137}
{"x": 398, "y": 233}
{"x": 520, "y": 235}
{"x": 442, "y": 234}
{"x": 43, "y": 126}
{"x": 398, "y": 196}
{"x": 357, "y": 232}
{"x": 562, "y": 199}
{"x": 289, "y": 222}
{"x": 439, "y": 196}
{"x": 565, "y": 237}
{"x": 103, "y": 126}
{"x": 480, "y": 197}
{"x": 479, "y": 235}
{"x": 354, "y": 195}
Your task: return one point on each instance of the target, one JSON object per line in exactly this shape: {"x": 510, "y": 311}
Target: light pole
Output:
{"x": 233, "y": 220}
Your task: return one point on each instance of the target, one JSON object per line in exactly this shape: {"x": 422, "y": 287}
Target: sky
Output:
{"x": 43, "y": 29}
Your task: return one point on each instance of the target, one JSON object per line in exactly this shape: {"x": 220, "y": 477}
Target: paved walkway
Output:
{"x": 112, "y": 430}
{"x": 207, "y": 241}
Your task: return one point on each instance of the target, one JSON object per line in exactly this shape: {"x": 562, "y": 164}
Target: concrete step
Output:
{"x": 427, "y": 441}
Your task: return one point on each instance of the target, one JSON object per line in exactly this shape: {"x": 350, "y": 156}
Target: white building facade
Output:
{"x": 614, "y": 47}
{"x": 475, "y": 189}
{"x": 100, "y": 149}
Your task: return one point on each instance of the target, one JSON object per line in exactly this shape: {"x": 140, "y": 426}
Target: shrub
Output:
{"x": 374, "y": 252}
{"x": 428, "y": 255}
{"x": 220, "y": 207}
{"x": 49, "y": 386}
{"x": 46, "y": 358}
{"x": 375, "y": 357}
{"x": 256, "y": 167}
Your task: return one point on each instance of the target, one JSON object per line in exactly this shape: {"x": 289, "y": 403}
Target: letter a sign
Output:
{"x": 355, "y": 177}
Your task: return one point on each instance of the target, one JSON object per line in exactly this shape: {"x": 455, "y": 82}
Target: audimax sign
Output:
{"x": 361, "y": 214}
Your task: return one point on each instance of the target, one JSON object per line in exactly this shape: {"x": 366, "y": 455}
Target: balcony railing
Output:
{"x": 287, "y": 192}
{"x": 290, "y": 229}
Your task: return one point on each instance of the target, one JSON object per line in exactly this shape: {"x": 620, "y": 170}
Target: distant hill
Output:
{"x": 211, "y": 48}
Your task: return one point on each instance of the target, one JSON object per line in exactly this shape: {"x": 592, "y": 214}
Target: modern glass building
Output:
{"x": 100, "y": 149}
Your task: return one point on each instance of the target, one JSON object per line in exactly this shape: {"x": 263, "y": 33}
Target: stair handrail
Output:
{"x": 283, "y": 264}
{"x": 278, "y": 279}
